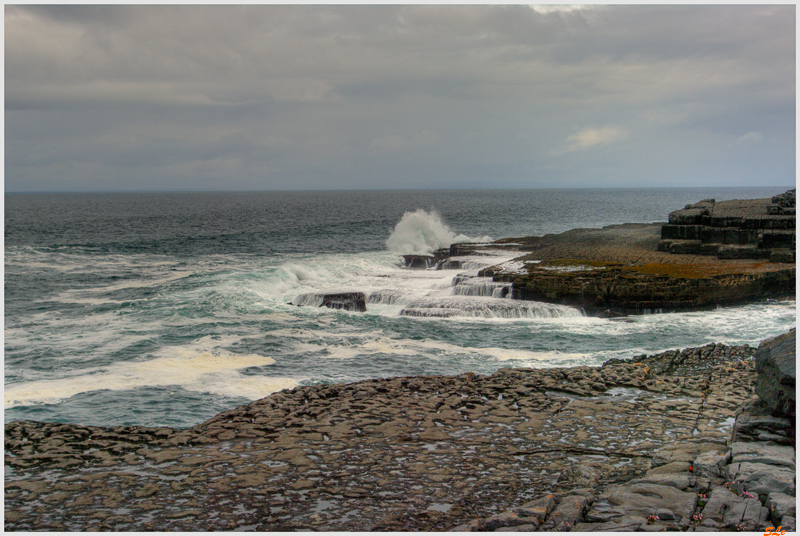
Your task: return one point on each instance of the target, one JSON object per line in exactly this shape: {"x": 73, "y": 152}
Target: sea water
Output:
{"x": 163, "y": 309}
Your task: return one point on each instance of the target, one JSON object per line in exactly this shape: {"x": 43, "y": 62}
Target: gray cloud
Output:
{"x": 198, "y": 97}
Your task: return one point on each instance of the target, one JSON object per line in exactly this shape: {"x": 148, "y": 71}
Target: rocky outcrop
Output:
{"x": 710, "y": 254}
{"x": 763, "y": 445}
{"x": 645, "y": 268}
{"x": 746, "y": 229}
{"x": 426, "y": 262}
{"x": 609, "y": 288}
{"x": 419, "y": 262}
{"x": 783, "y": 204}
{"x": 345, "y": 301}
{"x": 777, "y": 378}
{"x": 618, "y": 270}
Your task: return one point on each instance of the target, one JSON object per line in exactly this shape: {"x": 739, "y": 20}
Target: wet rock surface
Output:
{"x": 519, "y": 450}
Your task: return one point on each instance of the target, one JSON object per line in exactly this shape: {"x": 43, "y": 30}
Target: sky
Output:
{"x": 301, "y": 97}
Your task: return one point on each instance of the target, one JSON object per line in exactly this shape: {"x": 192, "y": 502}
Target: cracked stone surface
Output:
{"x": 417, "y": 453}
{"x": 745, "y": 484}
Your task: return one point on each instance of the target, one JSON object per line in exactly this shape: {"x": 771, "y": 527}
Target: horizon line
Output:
{"x": 311, "y": 190}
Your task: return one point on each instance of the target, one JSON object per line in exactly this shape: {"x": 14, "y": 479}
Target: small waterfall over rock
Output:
{"x": 476, "y": 307}
{"x": 480, "y": 286}
{"x": 477, "y": 264}
{"x": 385, "y": 296}
{"x": 347, "y": 301}
{"x": 308, "y": 300}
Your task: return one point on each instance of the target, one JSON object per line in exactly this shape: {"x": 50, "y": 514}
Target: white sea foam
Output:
{"x": 336, "y": 345}
{"x": 421, "y": 232}
{"x": 78, "y": 338}
{"x": 728, "y": 325}
{"x": 202, "y": 367}
{"x": 302, "y": 279}
{"x": 89, "y": 295}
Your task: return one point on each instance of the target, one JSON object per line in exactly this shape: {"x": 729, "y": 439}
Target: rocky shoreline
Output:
{"x": 618, "y": 270}
{"x": 709, "y": 254}
{"x": 606, "y": 448}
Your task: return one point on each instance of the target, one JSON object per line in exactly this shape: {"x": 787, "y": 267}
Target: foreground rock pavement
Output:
{"x": 558, "y": 449}
{"x": 746, "y": 484}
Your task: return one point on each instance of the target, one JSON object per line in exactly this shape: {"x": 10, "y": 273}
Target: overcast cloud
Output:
{"x": 326, "y": 97}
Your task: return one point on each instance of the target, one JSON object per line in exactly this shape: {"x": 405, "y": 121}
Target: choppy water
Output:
{"x": 165, "y": 309}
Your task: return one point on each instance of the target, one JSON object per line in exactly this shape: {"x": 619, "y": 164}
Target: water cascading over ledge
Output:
{"x": 473, "y": 307}
{"x": 480, "y": 286}
{"x": 346, "y": 301}
{"x": 385, "y": 296}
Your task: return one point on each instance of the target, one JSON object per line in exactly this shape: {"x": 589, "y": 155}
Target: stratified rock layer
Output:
{"x": 419, "y": 453}
{"x": 753, "y": 228}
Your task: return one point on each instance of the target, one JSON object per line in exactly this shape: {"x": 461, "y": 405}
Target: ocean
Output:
{"x": 164, "y": 309}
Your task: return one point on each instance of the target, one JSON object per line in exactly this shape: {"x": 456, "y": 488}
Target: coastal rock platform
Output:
{"x": 619, "y": 269}
{"x": 754, "y": 228}
{"x": 521, "y": 449}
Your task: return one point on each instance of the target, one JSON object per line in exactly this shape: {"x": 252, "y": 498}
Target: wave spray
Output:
{"x": 421, "y": 232}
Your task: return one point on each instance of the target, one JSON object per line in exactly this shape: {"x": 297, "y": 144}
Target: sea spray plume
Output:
{"x": 421, "y": 232}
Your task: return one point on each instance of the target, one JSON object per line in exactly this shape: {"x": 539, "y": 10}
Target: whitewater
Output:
{"x": 165, "y": 309}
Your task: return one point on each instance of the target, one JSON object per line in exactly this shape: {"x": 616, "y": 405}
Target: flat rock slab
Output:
{"x": 762, "y": 479}
{"x": 726, "y": 510}
{"x": 421, "y": 453}
{"x": 631, "y": 502}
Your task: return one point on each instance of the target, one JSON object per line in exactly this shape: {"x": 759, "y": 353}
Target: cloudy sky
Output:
{"x": 262, "y": 97}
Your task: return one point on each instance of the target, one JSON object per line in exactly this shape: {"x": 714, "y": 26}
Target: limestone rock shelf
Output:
{"x": 709, "y": 255}
{"x": 551, "y": 449}
{"x": 747, "y": 484}
{"x": 755, "y": 228}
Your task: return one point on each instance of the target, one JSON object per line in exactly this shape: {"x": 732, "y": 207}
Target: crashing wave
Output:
{"x": 421, "y": 233}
